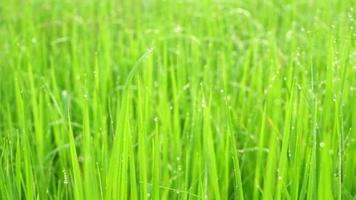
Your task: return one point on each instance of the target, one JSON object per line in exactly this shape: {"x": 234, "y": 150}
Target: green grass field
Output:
{"x": 177, "y": 99}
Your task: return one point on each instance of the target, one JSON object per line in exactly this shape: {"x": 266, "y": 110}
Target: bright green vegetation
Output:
{"x": 177, "y": 99}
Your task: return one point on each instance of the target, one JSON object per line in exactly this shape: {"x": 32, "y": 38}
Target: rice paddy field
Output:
{"x": 178, "y": 99}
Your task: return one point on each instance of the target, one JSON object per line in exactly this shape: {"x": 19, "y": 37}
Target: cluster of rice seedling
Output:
{"x": 177, "y": 99}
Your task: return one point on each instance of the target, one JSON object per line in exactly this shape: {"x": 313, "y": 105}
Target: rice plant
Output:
{"x": 178, "y": 99}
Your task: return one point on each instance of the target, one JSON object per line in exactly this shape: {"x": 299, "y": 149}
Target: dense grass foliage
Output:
{"x": 177, "y": 99}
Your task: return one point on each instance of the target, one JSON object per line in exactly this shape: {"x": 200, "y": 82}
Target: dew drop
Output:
{"x": 322, "y": 144}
